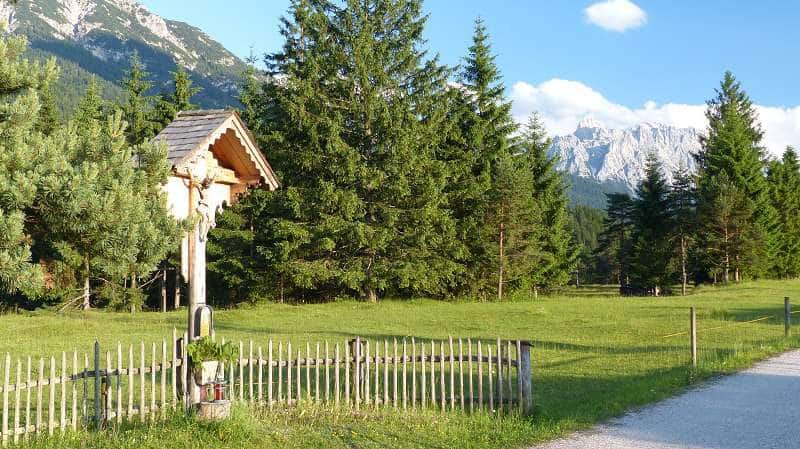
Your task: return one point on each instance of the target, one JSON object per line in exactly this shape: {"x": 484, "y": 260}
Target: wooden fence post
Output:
{"x": 6, "y": 383}
{"x": 787, "y": 317}
{"x": 693, "y": 335}
{"x": 96, "y": 384}
{"x": 524, "y": 376}
{"x": 355, "y": 349}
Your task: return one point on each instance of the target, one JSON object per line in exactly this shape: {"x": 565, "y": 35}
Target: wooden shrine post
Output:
{"x": 214, "y": 160}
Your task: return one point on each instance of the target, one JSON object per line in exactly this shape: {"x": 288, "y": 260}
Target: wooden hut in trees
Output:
{"x": 214, "y": 160}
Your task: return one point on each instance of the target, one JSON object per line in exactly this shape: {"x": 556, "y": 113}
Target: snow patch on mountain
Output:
{"x": 604, "y": 154}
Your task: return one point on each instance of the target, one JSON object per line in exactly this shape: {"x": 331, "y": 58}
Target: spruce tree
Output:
{"x": 557, "y": 251}
{"x": 180, "y": 99}
{"x": 784, "y": 183}
{"x": 615, "y": 240}
{"x": 355, "y": 115}
{"x": 137, "y": 107}
{"x": 732, "y": 145}
{"x": 651, "y": 249}
{"x": 683, "y": 203}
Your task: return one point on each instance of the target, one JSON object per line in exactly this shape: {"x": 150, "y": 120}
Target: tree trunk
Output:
{"x": 134, "y": 286}
{"x": 727, "y": 261}
{"x": 684, "y": 275}
{"x": 86, "y": 294}
{"x": 164, "y": 291}
{"x": 502, "y": 264}
{"x": 177, "y": 288}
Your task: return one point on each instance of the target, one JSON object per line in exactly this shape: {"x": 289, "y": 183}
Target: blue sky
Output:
{"x": 618, "y": 61}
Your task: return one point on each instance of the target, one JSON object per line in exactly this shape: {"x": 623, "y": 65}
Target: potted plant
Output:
{"x": 206, "y": 356}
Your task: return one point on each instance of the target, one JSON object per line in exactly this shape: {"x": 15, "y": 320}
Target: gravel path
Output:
{"x": 755, "y": 409}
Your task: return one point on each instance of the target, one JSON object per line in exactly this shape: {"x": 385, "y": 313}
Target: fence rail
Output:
{"x": 142, "y": 381}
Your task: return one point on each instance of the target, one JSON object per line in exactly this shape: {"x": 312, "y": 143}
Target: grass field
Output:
{"x": 594, "y": 357}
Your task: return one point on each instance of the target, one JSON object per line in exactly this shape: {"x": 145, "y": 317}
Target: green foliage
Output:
{"x": 784, "y": 185}
{"x": 137, "y": 107}
{"x": 180, "y": 99}
{"x": 207, "y": 350}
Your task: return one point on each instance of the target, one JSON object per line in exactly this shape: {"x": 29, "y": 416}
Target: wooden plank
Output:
{"x": 299, "y": 393}
{"x": 17, "y": 399}
{"x": 508, "y": 376}
{"x": 40, "y": 393}
{"x": 520, "y": 399}
{"x": 250, "y": 371}
{"x": 452, "y": 375}
{"x": 376, "y": 386}
{"x": 6, "y": 387}
{"x": 499, "y": 350}
{"x": 489, "y": 377}
{"x": 434, "y": 401}
{"x": 288, "y": 373}
{"x": 119, "y": 383}
{"x": 366, "y": 374}
{"x": 357, "y": 373}
{"x": 461, "y": 371}
{"x": 64, "y": 380}
{"x": 279, "y": 398}
{"x": 441, "y": 377}
{"x": 28, "y": 397}
{"x": 109, "y": 399}
{"x": 173, "y": 372}
{"x": 316, "y": 375}
{"x": 395, "y": 362}
{"x": 413, "y": 372}
{"x": 480, "y": 377}
{"x": 336, "y": 374}
{"x": 269, "y": 374}
{"x": 308, "y": 371}
{"x": 261, "y": 376}
{"x": 163, "y": 404}
{"x": 327, "y": 374}
{"x": 74, "y": 391}
{"x": 347, "y": 374}
{"x": 471, "y": 380}
{"x": 51, "y": 398}
{"x": 424, "y": 388}
{"x": 131, "y": 381}
{"x": 241, "y": 370}
{"x": 385, "y": 373}
{"x": 153, "y": 382}
{"x": 405, "y": 375}
{"x": 142, "y": 381}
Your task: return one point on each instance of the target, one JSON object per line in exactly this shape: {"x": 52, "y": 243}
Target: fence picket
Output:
{"x": 269, "y": 374}
{"x": 366, "y": 375}
{"x": 519, "y": 377}
{"x": 434, "y": 401}
{"x": 153, "y": 392}
{"x": 490, "y": 376}
{"x": 299, "y": 394}
{"x": 250, "y": 371}
{"x": 508, "y": 377}
{"x": 316, "y": 375}
{"x": 471, "y": 384}
{"x": 107, "y": 407}
{"x": 163, "y": 377}
{"x": 39, "y": 394}
{"x": 174, "y": 362}
{"x": 499, "y": 351}
{"x": 6, "y": 383}
{"x": 327, "y": 375}
{"x": 336, "y": 373}
{"x": 395, "y": 362}
{"x": 131, "y": 381}
{"x": 288, "y": 373}
{"x": 119, "y": 383}
{"x": 405, "y": 373}
{"x": 347, "y": 374}
{"x": 280, "y": 372}
{"x": 260, "y": 375}
{"x": 413, "y": 372}
{"x": 241, "y": 370}
{"x": 424, "y": 388}
{"x": 51, "y": 398}
{"x": 385, "y": 373}
{"x": 308, "y": 371}
{"x": 441, "y": 377}
{"x": 16, "y": 400}
{"x": 357, "y": 373}
{"x": 452, "y": 375}
{"x": 142, "y": 381}
{"x": 377, "y": 374}
{"x": 28, "y": 397}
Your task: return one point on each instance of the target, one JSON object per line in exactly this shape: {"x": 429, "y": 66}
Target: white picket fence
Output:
{"x": 89, "y": 390}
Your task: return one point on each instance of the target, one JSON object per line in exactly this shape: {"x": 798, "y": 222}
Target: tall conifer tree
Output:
{"x": 784, "y": 183}
{"x": 137, "y": 107}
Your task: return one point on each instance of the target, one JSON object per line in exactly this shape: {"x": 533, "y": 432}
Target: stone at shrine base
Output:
{"x": 214, "y": 411}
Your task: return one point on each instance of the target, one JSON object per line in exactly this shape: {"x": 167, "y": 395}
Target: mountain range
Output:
{"x": 601, "y": 160}
{"x": 98, "y": 37}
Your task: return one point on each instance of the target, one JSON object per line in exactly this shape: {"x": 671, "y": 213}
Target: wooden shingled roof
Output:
{"x": 195, "y": 131}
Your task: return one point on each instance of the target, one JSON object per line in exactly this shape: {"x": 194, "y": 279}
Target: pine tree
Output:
{"x": 732, "y": 146}
{"x": 683, "y": 203}
{"x": 557, "y": 251}
{"x": 25, "y": 159}
{"x": 105, "y": 215}
{"x": 651, "y": 249}
{"x": 137, "y": 108}
{"x": 784, "y": 182}
{"x": 49, "y": 116}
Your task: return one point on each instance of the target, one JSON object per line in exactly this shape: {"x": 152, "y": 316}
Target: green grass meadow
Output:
{"x": 595, "y": 356}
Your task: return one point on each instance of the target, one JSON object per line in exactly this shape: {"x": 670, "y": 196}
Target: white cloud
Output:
{"x": 563, "y": 103}
{"x": 615, "y": 15}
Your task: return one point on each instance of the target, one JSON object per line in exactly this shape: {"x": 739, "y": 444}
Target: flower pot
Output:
{"x": 206, "y": 372}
